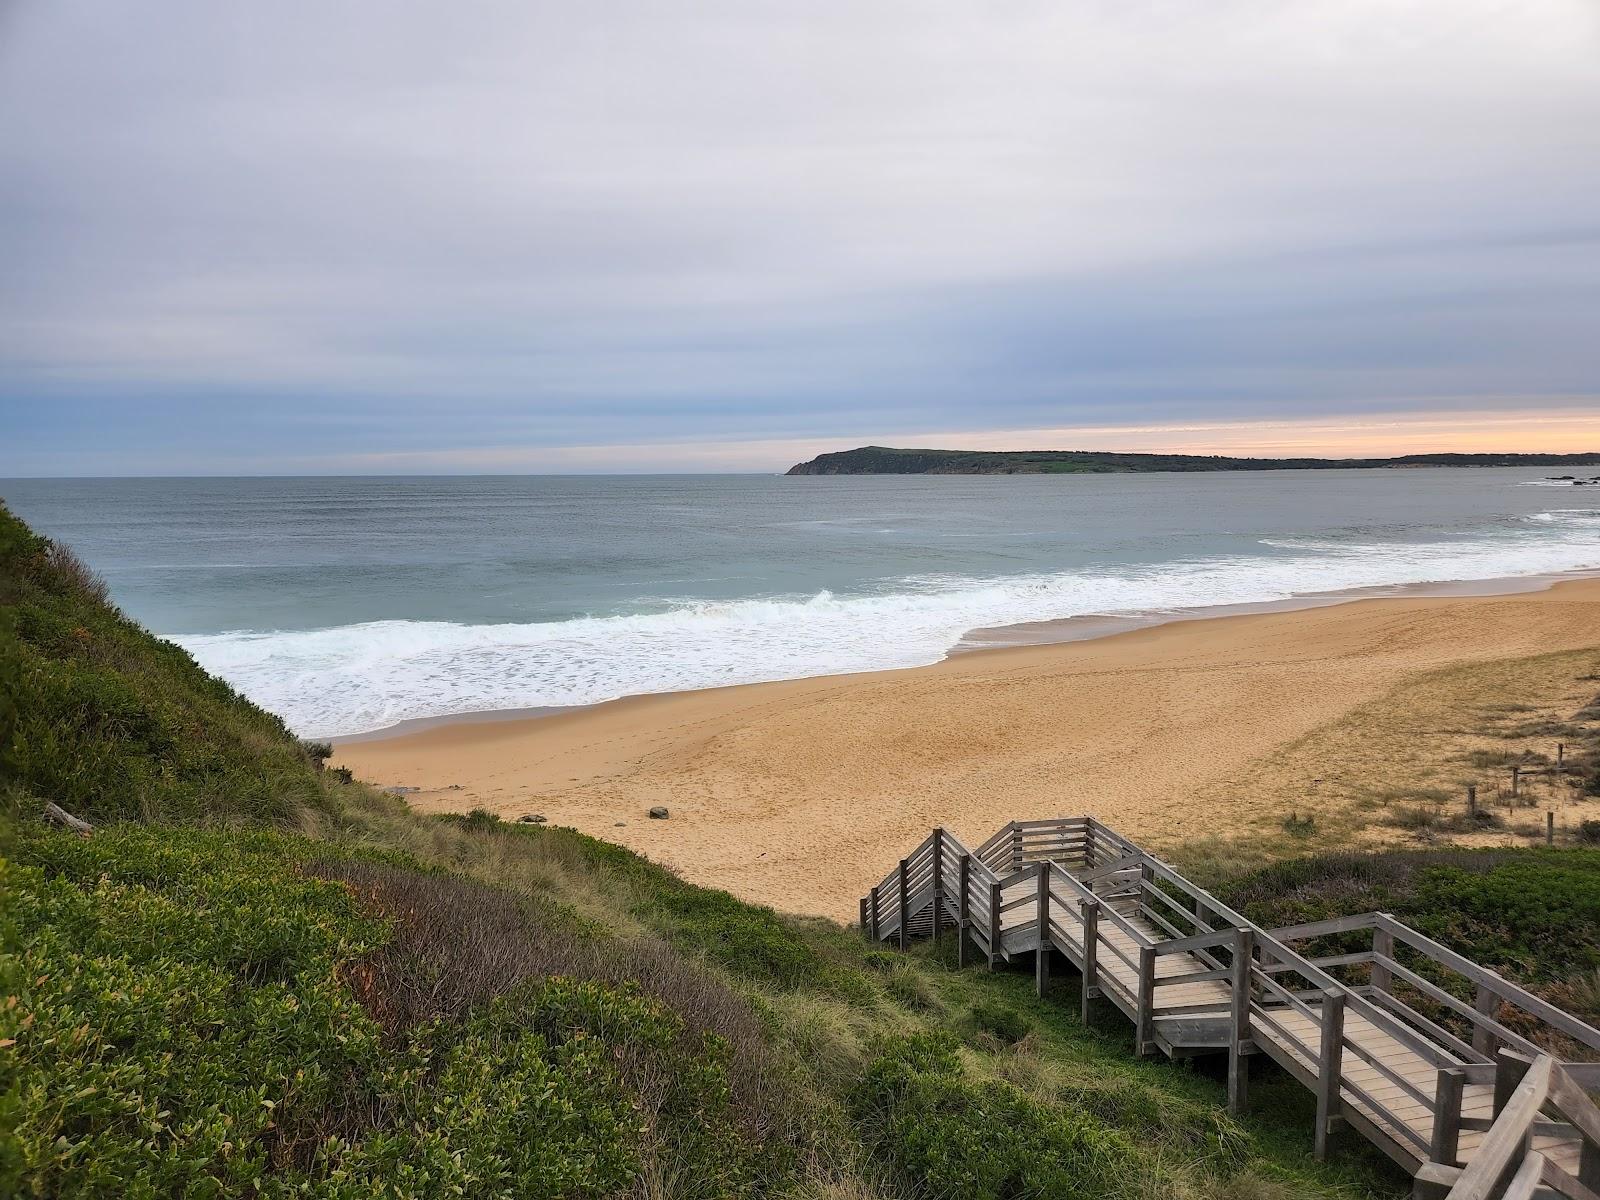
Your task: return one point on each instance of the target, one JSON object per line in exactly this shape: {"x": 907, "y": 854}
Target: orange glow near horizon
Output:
{"x": 1548, "y": 431}
{"x": 1378, "y": 436}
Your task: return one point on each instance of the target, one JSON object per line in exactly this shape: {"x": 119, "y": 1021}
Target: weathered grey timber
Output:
{"x": 1469, "y": 1097}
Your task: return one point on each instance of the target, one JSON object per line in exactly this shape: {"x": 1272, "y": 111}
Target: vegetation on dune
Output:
{"x": 111, "y": 723}
{"x": 1532, "y": 915}
{"x": 205, "y": 1015}
{"x": 255, "y": 979}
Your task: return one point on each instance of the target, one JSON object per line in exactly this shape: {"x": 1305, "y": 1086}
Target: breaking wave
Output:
{"x": 356, "y": 678}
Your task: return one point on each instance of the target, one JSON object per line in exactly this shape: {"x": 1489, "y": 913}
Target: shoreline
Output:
{"x": 1065, "y": 630}
{"x": 796, "y": 793}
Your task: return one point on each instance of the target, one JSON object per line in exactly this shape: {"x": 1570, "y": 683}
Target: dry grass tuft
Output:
{"x": 75, "y": 576}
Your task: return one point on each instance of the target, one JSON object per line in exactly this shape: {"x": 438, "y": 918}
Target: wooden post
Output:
{"x": 1509, "y": 1068}
{"x": 1516, "y": 781}
{"x": 1145, "y": 1039}
{"x": 964, "y": 908}
{"x": 1042, "y": 955}
{"x": 1561, "y": 755}
{"x": 1382, "y": 943}
{"x": 905, "y": 904}
{"x": 1238, "y": 1065}
{"x": 872, "y": 907}
{"x": 1016, "y": 847}
{"x": 1445, "y": 1145}
{"x": 1486, "y": 1003}
{"x": 1090, "y": 911}
{"x": 1550, "y": 828}
{"x": 1472, "y": 800}
{"x": 1589, "y": 1165}
{"x": 994, "y": 923}
{"x": 938, "y": 882}
{"x": 1329, "y": 1068}
{"x": 863, "y": 916}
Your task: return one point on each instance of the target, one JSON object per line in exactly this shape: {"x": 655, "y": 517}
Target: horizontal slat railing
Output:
{"x": 1507, "y": 992}
{"x": 1073, "y": 885}
{"x": 1489, "y": 990}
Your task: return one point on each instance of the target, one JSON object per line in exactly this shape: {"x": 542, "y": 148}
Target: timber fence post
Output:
{"x": 1382, "y": 943}
{"x": 1509, "y": 1068}
{"x": 1486, "y": 1004}
{"x": 964, "y": 906}
{"x": 1329, "y": 1068}
{"x": 994, "y": 924}
{"x": 1445, "y": 1144}
{"x": 872, "y": 897}
{"x": 938, "y": 882}
{"x": 1238, "y": 1065}
{"x": 905, "y": 904}
{"x": 1042, "y": 955}
{"x": 1090, "y": 911}
{"x": 1145, "y": 1034}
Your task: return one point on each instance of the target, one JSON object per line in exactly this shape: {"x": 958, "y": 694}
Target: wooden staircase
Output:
{"x": 1465, "y": 1094}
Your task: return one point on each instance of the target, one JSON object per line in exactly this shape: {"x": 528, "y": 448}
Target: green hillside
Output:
{"x": 256, "y": 980}
{"x": 888, "y": 460}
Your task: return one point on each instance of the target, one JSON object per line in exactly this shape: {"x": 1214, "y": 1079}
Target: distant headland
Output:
{"x": 888, "y": 460}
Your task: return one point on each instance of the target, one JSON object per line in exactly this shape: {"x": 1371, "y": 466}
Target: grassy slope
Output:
{"x": 114, "y": 724}
{"x": 255, "y": 980}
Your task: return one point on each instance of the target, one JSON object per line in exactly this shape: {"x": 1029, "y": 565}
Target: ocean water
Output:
{"x": 351, "y": 604}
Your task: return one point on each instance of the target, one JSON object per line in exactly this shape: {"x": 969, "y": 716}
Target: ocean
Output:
{"x": 351, "y": 604}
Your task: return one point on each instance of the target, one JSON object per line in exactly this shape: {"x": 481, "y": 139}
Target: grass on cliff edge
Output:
{"x": 113, "y": 724}
{"x": 254, "y": 980}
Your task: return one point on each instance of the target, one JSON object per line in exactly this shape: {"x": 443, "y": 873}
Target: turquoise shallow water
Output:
{"x": 351, "y": 604}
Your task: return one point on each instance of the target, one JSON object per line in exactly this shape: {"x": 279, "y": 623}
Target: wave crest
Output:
{"x": 356, "y": 678}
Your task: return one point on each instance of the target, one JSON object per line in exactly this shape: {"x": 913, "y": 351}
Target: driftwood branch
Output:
{"x": 61, "y": 816}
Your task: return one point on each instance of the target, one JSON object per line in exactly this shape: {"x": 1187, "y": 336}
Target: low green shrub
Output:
{"x": 752, "y": 939}
{"x": 947, "y": 1135}
{"x": 193, "y": 1028}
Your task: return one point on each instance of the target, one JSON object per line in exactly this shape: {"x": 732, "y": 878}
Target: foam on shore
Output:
{"x": 362, "y": 677}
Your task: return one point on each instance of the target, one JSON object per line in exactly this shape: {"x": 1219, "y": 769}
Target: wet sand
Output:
{"x": 800, "y": 794}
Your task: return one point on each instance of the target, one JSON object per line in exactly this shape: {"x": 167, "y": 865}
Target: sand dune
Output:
{"x": 799, "y": 794}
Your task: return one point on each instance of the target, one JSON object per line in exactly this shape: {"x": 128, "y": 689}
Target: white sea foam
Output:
{"x": 363, "y": 677}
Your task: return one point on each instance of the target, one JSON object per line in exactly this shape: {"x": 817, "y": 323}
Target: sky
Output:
{"x": 637, "y": 235}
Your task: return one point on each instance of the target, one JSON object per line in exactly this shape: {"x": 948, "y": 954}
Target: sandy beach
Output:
{"x": 799, "y": 794}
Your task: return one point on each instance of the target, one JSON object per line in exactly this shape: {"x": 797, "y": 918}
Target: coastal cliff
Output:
{"x": 888, "y": 460}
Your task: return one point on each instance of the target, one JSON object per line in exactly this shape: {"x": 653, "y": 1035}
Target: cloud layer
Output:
{"x": 288, "y": 237}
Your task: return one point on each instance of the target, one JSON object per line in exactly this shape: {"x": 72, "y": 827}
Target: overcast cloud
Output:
{"x": 326, "y": 236}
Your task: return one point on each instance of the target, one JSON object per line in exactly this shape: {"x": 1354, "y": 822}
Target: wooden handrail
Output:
{"x": 1499, "y": 984}
{"x": 1118, "y": 903}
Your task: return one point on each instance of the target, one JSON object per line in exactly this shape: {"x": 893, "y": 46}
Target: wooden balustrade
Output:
{"x": 1386, "y": 1024}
